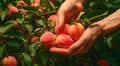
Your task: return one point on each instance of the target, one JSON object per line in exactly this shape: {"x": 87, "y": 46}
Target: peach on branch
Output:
{"x": 47, "y": 39}
{"x": 76, "y": 30}
{"x": 53, "y": 18}
{"x": 63, "y": 41}
{"x": 9, "y": 61}
{"x": 21, "y": 3}
{"x": 36, "y": 3}
{"x": 11, "y": 9}
{"x": 34, "y": 39}
{"x": 103, "y": 62}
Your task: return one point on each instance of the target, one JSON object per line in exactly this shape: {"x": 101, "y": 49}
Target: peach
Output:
{"x": 11, "y": 9}
{"x": 63, "y": 41}
{"x": 9, "y": 61}
{"x": 52, "y": 18}
{"x": 47, "y": 39}
{"x": 62, "y": 31}
{"x": 34, "y": 39}
{"x": 21, "y": 4}
{"x": 36, "y": 3}
{"x": 76, "y": 30}
{"x": 103, "y": 62}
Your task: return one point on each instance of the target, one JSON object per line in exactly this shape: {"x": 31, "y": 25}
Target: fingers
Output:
{"x": 60, "y": 20}
{"x": 60, "y": 51}
{"x": 83, "y": 49}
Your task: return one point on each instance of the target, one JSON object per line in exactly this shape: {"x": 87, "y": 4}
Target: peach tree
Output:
{"x": 22, "y": 22}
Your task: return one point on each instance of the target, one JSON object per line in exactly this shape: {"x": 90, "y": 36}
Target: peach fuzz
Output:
{"x": 63, "y": 41}
{"x": 11, "y": 9}
{"x": 76, "y": 30}
{"x": 9, "y": 61}
{"x": 47, "y": 39}
{"x": 62, "y": 31}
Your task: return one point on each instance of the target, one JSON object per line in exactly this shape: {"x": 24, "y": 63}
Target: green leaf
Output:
{"x": 20, "y": 20}
{"x": 42, "y": 23}
{"x": 14, "y": 42}
{"x": 27, "y": 59}
{"x": 29, "y": 27}
{"x": 44, "y": 57}
{"x": 109, "y": 41}
{"x": 6, "y": 26}
{"x": 32, "y": 49}
{"x": 2, "y": 49}
{"x": 60, "y": 1}
{"x": 14, "y": 34}
{"x": 4, "y": 14}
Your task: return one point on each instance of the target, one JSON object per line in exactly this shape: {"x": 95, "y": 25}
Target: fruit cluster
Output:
{"x": 62, "y": 38}
{"x": 12, "y": 9}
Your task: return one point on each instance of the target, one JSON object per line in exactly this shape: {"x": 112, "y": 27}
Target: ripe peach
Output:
{"x": 12, "y": 9}
{"x": 52, "y": 18}
{"x": 21, "y": 4}
{"x": 103, "y": 62}
{"x": 36, "y": 3}
{"x": 34, "y": 39}
{"x": 47, "y": 39}
{"x": 9, "y": 61}
{"x": 23, "y": 12}
{"x": 63, "y": 41}
{"x": 76, "y": 30}
{"x": 62, "y": 31}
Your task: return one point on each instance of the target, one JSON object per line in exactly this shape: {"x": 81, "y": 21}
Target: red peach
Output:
{"x": 76, "y": 30}
{"x": 20, "y": 4}
{"x": 36, "y": 3}
{"x": 63, "y": 41}
{"x": 34, "y": 39}
{"x": 23, "y": 12}
{"x": 62, "y": 31}
{"x": 12, "y": 9}
{"x": 103, "y": 62}
{"x": 47, "y": 39}
{"x": 52, "y": 18}
{"x": 9, "y": 61}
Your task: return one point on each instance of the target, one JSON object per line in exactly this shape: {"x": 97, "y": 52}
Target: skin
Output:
{"x": 90, "y": 35}
{"x": 68, "y": 10}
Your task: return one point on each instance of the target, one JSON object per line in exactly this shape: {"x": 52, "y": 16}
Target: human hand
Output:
{"x": 82, "y": 45}
{"x": 68, "y": 10}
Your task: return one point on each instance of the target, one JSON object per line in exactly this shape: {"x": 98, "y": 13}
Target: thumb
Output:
{"x": 60, "y": 22}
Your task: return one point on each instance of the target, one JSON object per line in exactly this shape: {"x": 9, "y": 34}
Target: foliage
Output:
{"x": 17, "y": 30}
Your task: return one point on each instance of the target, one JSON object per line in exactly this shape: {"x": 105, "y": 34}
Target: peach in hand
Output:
{"x": 63, "y": 41}
{"x": 47, "y": 39}
{"x": 62, "y": 31}
{"x": 76, "y": 30}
